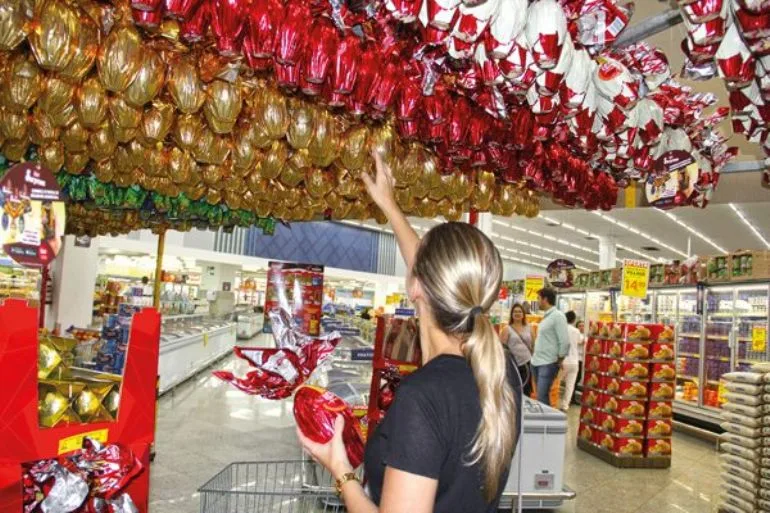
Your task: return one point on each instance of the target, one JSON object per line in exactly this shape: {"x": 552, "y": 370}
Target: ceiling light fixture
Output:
{"x": 750, "y": 225}
{"x": 647, "y": 236}
{"x": 692, "y": 230}
{"x": 547, "y": 237}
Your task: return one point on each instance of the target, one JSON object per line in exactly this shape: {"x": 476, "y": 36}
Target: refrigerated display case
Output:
{"x": 634, "y": 309}
{"x": 599, "y": 307}
{"x": 751, "y": 313}
{"x": 575, "y": 301}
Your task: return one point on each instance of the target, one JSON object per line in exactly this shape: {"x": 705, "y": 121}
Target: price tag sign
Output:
{"x": 533, "y": 285}
{"x": 721, "y": 391}
{"x": 205, "y": 339}
{"x": 758, "y": 338}
{"x": 636, "y": 275}
{"x": 75, "y": 442}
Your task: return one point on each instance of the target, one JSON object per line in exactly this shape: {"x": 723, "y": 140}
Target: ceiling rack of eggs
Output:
{"x": 731, "y": 39}
{"x": 272, "y": 106}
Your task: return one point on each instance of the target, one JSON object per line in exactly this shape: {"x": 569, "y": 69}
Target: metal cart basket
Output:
{"x": 287, "y": 486}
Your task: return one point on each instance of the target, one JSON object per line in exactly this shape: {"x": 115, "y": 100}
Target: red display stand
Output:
{"x": 22, "y": 440}
{"x": 396, "y": 348}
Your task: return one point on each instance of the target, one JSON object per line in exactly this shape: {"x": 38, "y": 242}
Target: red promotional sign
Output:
{"x": 32, "y": 217}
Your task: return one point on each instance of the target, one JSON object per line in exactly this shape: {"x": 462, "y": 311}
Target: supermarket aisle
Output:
{"x": 205, "y": 424}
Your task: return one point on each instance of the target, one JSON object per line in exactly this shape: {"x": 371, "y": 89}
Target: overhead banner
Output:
{"x": 298, "y": 290}
{"x": 32, "y": 215}
{"x": 561, "y": 273}
{"x": 533, "y": 285}
{"x": 636, "y": 276}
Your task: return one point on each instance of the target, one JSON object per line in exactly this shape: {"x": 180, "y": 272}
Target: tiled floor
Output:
{"x": 204, "y": 425}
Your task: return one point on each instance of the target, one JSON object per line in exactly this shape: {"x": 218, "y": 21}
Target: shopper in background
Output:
{"x": 569, "y": 366}
{"x": 447, "y": 440}
{"x": 581, "y": 326}
{"x": 518, "y": 338}
{"x": 551, "y": 345}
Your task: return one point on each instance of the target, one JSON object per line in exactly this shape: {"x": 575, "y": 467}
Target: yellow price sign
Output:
{"x": 758, "y": 338}
{"x": 533, "y": 285}
{"x": 721, "y": 391}
{"x": 205, "y": 339}
{"x": 636, "y": 276}
{"x": 75, "y": 442}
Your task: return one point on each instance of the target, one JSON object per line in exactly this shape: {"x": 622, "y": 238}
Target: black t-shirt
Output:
{"x": 429, "y": 430}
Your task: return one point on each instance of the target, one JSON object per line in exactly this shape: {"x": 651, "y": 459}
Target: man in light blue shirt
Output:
{"x": 551, "y": 345}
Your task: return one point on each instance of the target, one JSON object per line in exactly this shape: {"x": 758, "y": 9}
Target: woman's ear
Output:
{"x": 414, "y": 290}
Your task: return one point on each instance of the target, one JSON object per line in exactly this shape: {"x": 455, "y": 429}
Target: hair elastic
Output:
{"x": 476, "y": 310}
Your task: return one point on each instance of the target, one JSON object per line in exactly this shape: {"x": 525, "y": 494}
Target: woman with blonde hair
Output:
{"x": 446, "y": 443}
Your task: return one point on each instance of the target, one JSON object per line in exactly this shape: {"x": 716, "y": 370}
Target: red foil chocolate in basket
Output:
{"x": 316, "y": 410}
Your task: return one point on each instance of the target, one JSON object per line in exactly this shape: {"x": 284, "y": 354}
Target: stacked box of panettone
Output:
{"x": 628, "y": 390}
{"x": 745, "y": 443}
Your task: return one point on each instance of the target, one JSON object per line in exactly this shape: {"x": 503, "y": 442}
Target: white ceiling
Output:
{"x": 572, "y": 234}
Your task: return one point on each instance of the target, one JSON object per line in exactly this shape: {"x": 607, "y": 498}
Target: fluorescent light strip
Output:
{"x": 547, "y": 250}
{"x": 750, "y": 225}
{"x": 692, "y": 230}
{"x": 548, "y": 237}
{"x": 640, "y": 233}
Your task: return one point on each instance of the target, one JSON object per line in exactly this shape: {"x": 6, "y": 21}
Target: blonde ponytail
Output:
{"x": 460, "y": 271}
{"x": 493, "y": 443}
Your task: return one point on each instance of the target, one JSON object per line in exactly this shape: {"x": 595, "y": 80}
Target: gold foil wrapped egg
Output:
{"x": 184, "y": 85}
{"x": 294, "y": 171}
{"x": 102, "y": 143}
{"x": 347, "y": 186}
{"x": 504, "y": 203}
{"x": 91, "y": 103}
{"x": 104, "y": 170}
{"x": 119, "y": 58}
{"x": 43, "y": 129}
{"x": 244, "y": 154}
{"x": 302, "y": 124}
{"x": 76, "y": 162}
{"x": 75, "y": 138}
{"x": 15, "y": 149}
{"x": 213, "y": 196}
{"x": 14, "y": 125}
{"x": 323, "y": 147}
{"x": 441, "y": 191}
{"x": 233, "y": 199}
{"x": 451, "y": 211}
{"x": 318, "y": 183}
{"x": 55, "y": 34}
{"x": 342, "y": 210}
{"x": 84, "y": 53}
{"x": 383, "y": 141}
{"x": 222, "y": 106}
{"x": 148, "y": 79}
{"x": 428, "y": 208}
{"x": 462, "y": 188}
{"x": 196, "y": 192}
{"x": 52, "y": 407}
{"x": 275, "y": 117}
{"x": 256, "y": 183}
{"x": 47, "y": 360}
{"x": 407, "y": 169}
{"x": 405, "y": 199}
{"x": 186, "y": 131}
{"x": 124, "y": 135}
{"x": 211, "y": 148}
{"x": 13, "y": 24}
{"x": 112, "y": 402}
{"x": 275, "y": 160}
{"x": 52, "y": 155}
{"x": 212, "y": 175}
{"x": 354, "y": 150}
{"x": 23, "y": 83}
{"x": 123, "y": 114}
{"x": 180, "y": 165}
{"x": 86, "y": 404}
{"x": 157, "y": 122}
{"x": 56, "y": 96}
{"x": 484, "y": 191}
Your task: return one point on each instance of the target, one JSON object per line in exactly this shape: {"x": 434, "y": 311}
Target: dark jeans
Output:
{"x": 544, "y": 378}
{"x": 525, "y": 371}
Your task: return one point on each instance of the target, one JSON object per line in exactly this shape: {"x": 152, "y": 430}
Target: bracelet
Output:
{"x": 346, "y": 478}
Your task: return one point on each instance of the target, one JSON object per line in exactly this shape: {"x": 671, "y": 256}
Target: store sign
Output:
{"x": 561, "y": 273}
{"x": 533, "y": 285}
{"x": 636, "y": 276}
{"x": 673, "y": 180}
{"x": 758, "y": 338}
{"x": 32, "y": 215}
{"x": 297, "y": 289}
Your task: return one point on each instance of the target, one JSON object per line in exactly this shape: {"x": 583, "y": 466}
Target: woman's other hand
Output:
{"x": 331, "y": 455}
{"x": 380, "y": 188}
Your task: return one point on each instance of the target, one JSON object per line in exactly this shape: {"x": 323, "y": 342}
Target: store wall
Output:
{"x": 518, "y": 271}
{"x": 74, "y": 272}
{"x": 322, "y": 243}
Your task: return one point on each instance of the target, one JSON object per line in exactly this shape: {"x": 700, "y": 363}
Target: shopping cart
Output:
{"x": 287, "y": 486}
